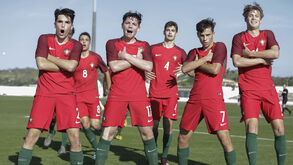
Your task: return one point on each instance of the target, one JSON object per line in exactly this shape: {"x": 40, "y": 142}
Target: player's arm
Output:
{"x": 137, "y": 60}
{"x": 272, "y": 53}
{"x": 119, "y": 65}
{"x": 44, "y": 64}
{"x": 239, "y": 61}
{"x": 108, "y": 82}
{"x": 213, "y": 68}
{"x": 237, "y": 55}
{"x": 67, "y": 65}
{"x": 191, "y": 66}
{"x": 71, "y": 63}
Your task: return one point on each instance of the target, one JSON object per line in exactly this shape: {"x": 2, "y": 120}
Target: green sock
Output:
{"x": 52, "y": 125}
{"x": 102, "y": 152}
{"x": 280, "y": 147}
{"x": 91, "y": 137}
{"x": 251, "y": 148}
{"x": 167, "y": 140}
{"x": 25, "y": 156}
{"x": 119, "y": 131}
{"x": 151, "y": 151}
{"x": 64, "y": 139}
{"x": 76, "y": 158}
{"x": 156, "y": 134}
{"x": 230, "y": 157}
{"x": 183, "y": 154}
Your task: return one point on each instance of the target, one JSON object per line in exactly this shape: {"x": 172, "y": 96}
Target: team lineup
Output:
{"x": 67, "y": 89}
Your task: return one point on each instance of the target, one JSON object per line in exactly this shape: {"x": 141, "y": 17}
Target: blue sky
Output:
{"x": 22, "y": 21}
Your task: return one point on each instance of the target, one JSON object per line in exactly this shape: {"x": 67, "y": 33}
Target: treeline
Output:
{"x": 29, "y": 76}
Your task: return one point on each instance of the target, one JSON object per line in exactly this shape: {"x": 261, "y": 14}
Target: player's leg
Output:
{"x": 118, "y": 135}
{"x": 104, "y": 144}
{"x": 273, "y": 114}
{"x": 250, "y": 106}
{"x": 67, "y": 118}
{"x": 280, "y": 140}
{"x": 156, "y": 105}
{"x": 42, "y": 112}
{"x": 225, "y": 140}
{"x": 52, "y": 132}
{"x": 25, "y": 153}
{"x": 191, "y": 117}
{"x": 141, "y": 116}
{"x": 170, "y": 114}
{"x": 114, "y": 114}
{"x": 150, "y": 147}
{"x": 62, "y": 149}
{"x": 76, "y": 155}
{"x": 183, "y": 146}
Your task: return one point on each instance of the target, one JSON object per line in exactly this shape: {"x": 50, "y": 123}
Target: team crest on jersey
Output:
{"x": 66, "y": 51}
{"x": 262, "y": 42}
{"x": 175, "y": 57}
{"x": 31, "y": 120}
{"x": 92, "y": 65}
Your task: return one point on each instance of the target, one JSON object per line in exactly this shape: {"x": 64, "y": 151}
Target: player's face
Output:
{"x": 63, "y": 26}
{"x": 170, "y": 33}
{"x": 130, "y": 27}
{"x": 253, "y": 19}
{"x": 85, "y": 42}
{"x": 206, "y": 38}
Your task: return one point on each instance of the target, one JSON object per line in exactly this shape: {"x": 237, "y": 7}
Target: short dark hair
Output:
{"x": 204, "y": 24}
{"x": 67, "y": 12}
{"x": 249, "y": 8}
{"x": 135, "y": 14}
{"x": 86, "y": 34}
{"x": 171, "y": 23}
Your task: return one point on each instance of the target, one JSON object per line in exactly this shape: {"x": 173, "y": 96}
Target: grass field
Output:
{"x": 204, "y": 148}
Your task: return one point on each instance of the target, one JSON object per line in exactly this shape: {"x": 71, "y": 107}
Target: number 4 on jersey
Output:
{"x": 167, "y": 65}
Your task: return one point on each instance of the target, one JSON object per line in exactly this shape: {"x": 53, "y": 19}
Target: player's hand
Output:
{"x": 246, "y": 52}
{"x": 122, "y": 55}
{"x": 178, "y": 70}
{"x": 209, "y": 56}
{"x": 149, "y": 76}
{"x": 266, "y": 61}
{"x": 139, "y": 53}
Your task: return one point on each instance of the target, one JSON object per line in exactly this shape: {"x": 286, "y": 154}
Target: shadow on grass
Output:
{"x": 128, "y": 154}
{"x": 35, "y": 160}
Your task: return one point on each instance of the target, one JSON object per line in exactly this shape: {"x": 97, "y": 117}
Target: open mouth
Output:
{"x": 62, "y": 31}
{"x": 129, "y": 31}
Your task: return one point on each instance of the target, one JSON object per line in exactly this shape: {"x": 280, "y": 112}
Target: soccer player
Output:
{"x": 57, "y": 58}
{"x": 252, "y": 52}
{"x": 52, "y": 131}
{"x": 128, "y": 59}
{"x": 86, "y": 76}
{"x": 285, "y": 99}
{"x": 163, "y": 90}
{"x": 206, "y": 97}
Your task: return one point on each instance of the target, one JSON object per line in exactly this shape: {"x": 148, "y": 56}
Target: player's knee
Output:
{"x": 279, "y": 131}
{"x": 96, "y": 126}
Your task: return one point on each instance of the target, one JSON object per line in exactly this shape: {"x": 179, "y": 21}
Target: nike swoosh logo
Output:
{"x": 222, "y": 124}
{"x": 282, "y": 154}
{"x": 251, "y": 152}
{"x": 150, "y": 121}
{"x": 79, "y": 162}
{"x": 77, "y": 122}
{"x": 158, "y": 55}
{"x": 98, "y": 115}
{"x": 51, "y": 48}
{"x": 98, "y": 149}
{"x": 173, "y": 114}
{"x": 152, "y": 150}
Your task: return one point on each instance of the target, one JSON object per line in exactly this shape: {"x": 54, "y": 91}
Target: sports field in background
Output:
{"x": 204, "y": 148}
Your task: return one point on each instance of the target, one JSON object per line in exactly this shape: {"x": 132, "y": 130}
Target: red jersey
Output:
{"x": 129, "y": 84}
{"x": 256, "y": 77}
{"x": 208, "y": 86}
{"x": 165, "y": 60}
{"x": 53, "y": 83}
{"x": 86, "y": 74}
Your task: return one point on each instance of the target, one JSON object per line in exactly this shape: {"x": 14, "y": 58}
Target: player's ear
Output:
{"x": 138, "y": 29}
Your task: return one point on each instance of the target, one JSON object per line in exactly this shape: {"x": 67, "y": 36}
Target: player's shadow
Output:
{"x": 128, "y": 154}
{"x": 35, "y": 160}
{"x": 173, "y": 158}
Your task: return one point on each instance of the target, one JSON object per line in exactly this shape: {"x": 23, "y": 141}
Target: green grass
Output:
{"x": 204, "y": 148}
